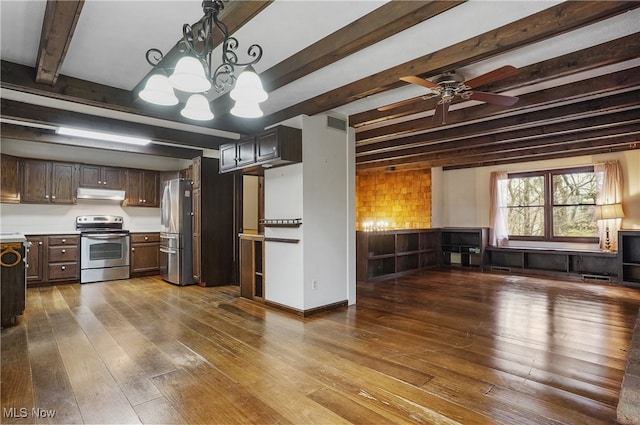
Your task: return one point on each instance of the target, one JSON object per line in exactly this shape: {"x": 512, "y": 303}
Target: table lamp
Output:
{"x": 608, "y": 212}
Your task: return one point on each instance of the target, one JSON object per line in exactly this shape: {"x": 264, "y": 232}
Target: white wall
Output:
{"x": 326, "y": 212}
{"x": 321, "y": 191}
{"x": 466, "y": 192}
{"x": 284, "y": 261}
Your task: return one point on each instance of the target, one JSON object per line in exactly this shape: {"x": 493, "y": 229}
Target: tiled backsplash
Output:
{"x": 402, "y": 199}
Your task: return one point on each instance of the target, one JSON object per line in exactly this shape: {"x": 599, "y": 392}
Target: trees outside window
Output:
{"x": 553, "y": 205}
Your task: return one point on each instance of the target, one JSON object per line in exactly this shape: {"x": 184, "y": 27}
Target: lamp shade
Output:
{"x": 189, "y": 76}
{"x": 246, "y": 110}
{"x": 158, "y": 91}
{"x": 609, "y": 211}
{"x": 197, "y": 108}
{"x": 248, "y": 88}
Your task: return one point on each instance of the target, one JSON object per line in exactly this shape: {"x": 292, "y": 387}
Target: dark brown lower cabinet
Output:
{"x": 12, "y": 293}
{"x": 145, "y": 254}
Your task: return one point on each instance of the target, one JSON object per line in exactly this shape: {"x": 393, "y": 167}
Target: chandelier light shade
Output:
{"x": 249, "y": 88}
{"x": 246, "y": 110}
{"x": 159, "y": 91}
{"x": 197, "y": 108}
{"x": 189, "y": 76}
{"x": 196, "y": 73}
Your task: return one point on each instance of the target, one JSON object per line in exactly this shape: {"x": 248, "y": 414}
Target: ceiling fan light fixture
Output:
{"x": 197, "y": 108}
{"x": 189, "y": 76}
{"x": 249, "y": 88}
{"x": 158, "y": 91}
{"x": 246, "y": 110}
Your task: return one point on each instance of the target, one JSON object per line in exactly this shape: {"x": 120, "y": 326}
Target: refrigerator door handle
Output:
{"x": 168, "y": 251}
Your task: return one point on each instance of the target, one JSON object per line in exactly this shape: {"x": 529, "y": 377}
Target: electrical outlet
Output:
{"x": 314, "y": 284}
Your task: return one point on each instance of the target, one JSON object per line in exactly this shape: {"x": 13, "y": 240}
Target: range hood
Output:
{"x": 108, "y": 194}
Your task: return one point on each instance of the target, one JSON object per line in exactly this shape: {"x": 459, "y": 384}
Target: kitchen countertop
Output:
{"x": 6, "y": 237}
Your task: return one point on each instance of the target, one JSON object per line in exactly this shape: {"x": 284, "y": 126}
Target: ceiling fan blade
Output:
{"x": 496, "y": 99}
{"x": 440, "y": 117}
{"x": 399, "y": 104}
{"x": 420, "y": 81}
{"x": 490, "y": 77}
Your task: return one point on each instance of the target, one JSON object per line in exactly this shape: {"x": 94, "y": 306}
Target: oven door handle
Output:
{"x": 168, "y": 251}
{"x": 118, "y": 236}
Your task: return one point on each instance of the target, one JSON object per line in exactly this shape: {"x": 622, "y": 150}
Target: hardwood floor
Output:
{"x": 441, "y": 346}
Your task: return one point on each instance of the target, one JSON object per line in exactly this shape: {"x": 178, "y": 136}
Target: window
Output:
{"x": 553, "y": 205}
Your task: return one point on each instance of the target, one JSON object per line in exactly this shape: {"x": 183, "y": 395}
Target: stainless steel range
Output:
{"x": 104, "y": 248}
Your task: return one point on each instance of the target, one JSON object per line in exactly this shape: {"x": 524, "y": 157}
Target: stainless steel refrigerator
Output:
{"x": 176, "y": 253}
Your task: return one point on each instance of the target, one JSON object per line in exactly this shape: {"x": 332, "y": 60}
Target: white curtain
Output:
{"x": 609, "y": 191}
{"x": 499, "y": 232}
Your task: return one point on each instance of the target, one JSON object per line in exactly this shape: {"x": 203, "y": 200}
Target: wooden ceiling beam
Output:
{"x": 58, "y": 26}
{"x": 385, "y": 21}
{"x": 609, "y": 122}
{"x": 550, "y": 22}
{"x": 40, "y": 114}
{"x": 615, "y": 51}
{"x": 542, "y": 99}
{"x": 571, "y": 148}
{"x": 20, "y": 132}
{"x": 513, "y": 146}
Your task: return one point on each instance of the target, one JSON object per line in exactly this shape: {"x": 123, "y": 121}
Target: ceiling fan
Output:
{"x": 448, "y": 85}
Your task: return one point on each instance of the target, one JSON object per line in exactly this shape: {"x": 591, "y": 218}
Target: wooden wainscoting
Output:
{"x": 438, "y": 346}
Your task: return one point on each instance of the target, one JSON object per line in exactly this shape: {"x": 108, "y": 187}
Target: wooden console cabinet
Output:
{"x": 585, "y": 265}
{"x": 387, "y": 253}
{"x": 629, "y": 257}
{"x": 465, "y": 247}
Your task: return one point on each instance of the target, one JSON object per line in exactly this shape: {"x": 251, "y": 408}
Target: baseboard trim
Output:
{"x": 309, "y": 312}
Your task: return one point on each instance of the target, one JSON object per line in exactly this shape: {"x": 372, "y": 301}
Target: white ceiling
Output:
{"x": 112, "y": 37}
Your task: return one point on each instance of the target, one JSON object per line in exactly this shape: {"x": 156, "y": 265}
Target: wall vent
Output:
{"x": 337, "y": 123}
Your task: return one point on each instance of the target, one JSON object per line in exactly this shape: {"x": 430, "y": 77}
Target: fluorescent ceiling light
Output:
{"x": 67, "y": 131}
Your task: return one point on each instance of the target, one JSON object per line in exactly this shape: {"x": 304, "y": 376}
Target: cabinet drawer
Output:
{"x": 63, "y": 253}
{"x": 64, "y": 240}
{"x": 63, "y": 271}
{"x": 145, "y": 237}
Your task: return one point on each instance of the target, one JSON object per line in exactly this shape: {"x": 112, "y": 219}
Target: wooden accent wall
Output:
{"x": 402, "y": 198}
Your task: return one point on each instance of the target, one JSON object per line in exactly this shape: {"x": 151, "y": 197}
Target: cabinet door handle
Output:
{"x": 99, "y": 182}
{"x": 133, "y": 249}
{"x": 40, "y": 243}
{"x": 140, "y": 200}
{"x": 53, "y": 196}
{"x": 64, "y": 251}
{"x": 64, "y": 241}
{"x": 46, "y": 196}
{"x": 146, "y": 238}
{"x": 104, "y": 182}
{"x": 63, "y": 268}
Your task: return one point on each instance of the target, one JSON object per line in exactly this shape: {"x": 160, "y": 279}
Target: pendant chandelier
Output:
{"x": 195, "y": 73}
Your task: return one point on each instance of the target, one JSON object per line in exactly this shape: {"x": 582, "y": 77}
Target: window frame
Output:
{"x": 549, "y": 205}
